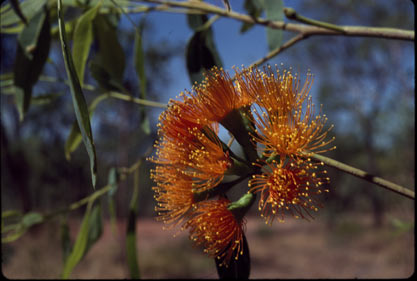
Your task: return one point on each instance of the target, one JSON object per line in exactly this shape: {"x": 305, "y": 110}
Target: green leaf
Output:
{"x": 75, "y": 137}
{"x": 80, "y": 105}
{"x": 17, "y": 10}
{"x": 274, "y": 10}
{"x": 110, "y": 57}
{"x": 195, "y": 22}
{"x": 32, "y": 52}
{"x": 140, "y": 70}
{"x": 16, "y": 230}
{"x": 65, "y": 241}
{"x": 95, "y": 228}
{"x": 28, "y": 8}
{"x": 201, "y": 54}
{"x": 236, "y": 269}
{"x": 113, "y": 179}
{"x": 82, "y": 39}
{"x": 45, "y": 98}
{"x": 132, "y": 259}
{"x": 80, "y": 244}
{"x": 131, "y": 228}
{"x": 254, "y": 9}
{"x": 31, "y": 218}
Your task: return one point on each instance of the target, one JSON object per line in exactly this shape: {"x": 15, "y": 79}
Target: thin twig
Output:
{"x": 280, "y": 49}
{"x": 307, "y": 30}
{"x": 365, "y": 176}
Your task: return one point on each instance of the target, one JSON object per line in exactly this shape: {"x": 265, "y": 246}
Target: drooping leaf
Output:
{"x": 75, "y": 137}
{"x": 80, "y": 244}
{"x": 236, "y": 269}
{"x": 66, "y": 245}
{"x": 254, "y": 9}
{"x": 80, "y": 105}
{"x": 132, "y": 259}
{"x": 195, "y": 22}
{"x": 95, "y": 228}
{"x": 109, "y": 63}
{"x": 274, "y": 10}
{"x": 113, "y": 179}
{"x": 82, "y": 39}
{"x": 16, "y": 8}
{"x": 140, "y": 70}
{"x": 201, "y": 52}
{"x": 28, "y": 8}
{"x": 32, "y": 53}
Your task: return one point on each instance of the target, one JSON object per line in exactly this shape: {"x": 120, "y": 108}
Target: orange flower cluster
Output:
{"x": 191, "y": 159}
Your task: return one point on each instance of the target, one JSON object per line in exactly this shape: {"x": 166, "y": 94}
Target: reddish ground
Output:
{"x": 294, "y": 249}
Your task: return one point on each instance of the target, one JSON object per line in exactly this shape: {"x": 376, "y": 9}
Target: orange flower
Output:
{"x": 200, "y": 156}
{"x": 216, "y": 96}
{"x": 289, "y": 187}
{"x": 215, "y": 228}
{"x": 273, "y": 91}
{"x": 284, "y": 124}
{"x": 174, "y": 194}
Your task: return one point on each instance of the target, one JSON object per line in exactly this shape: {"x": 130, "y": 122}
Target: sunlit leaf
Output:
{"x": 274, "y": 12}
{"x": 82, "y": 39}
{"x": 80, "y": 105}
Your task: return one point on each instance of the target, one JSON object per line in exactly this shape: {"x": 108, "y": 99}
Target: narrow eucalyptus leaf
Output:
{"x": 80, "y": 105}
{"x": 110, "y": 55}
{"x": 132, "y": 259}
{"x": 30, "y": 34}
{"x": 79, "y": 246}
{"x": 28, "y": 9}
{"x": 65, "y": 241}
{"x": 16, "y": 8}
{"x": 140, "y": 70}
{"x": 74, "y": 138}
{"x": 28, "y": 68}
{"x": 82, "y": 39}
{"x": 95, "y": 228}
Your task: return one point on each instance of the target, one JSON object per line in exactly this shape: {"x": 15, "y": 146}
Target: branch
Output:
{"x": 280, "y": 49}
{"x": 307, "y": 30}
{"x": 365, "y": 176}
